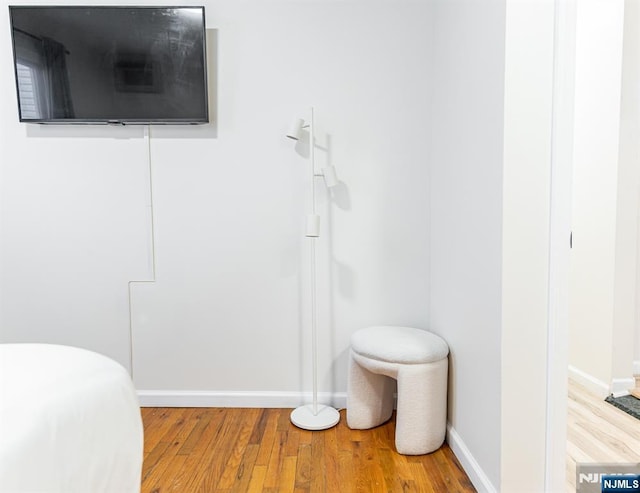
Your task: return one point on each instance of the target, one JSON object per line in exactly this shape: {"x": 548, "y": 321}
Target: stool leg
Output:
{"x": 421, "y": 420}
{"x": 369, "y": 397}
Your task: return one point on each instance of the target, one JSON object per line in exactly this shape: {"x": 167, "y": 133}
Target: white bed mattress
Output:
{"x": 69, "y": 422}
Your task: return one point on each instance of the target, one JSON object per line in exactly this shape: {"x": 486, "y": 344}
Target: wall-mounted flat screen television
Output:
{"x": 120, "y": 65}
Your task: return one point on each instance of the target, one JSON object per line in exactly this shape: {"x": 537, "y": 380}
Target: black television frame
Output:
{"x": 123, "y": 121}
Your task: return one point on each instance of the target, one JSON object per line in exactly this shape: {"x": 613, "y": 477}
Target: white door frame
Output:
{"x": 560, "y": 230}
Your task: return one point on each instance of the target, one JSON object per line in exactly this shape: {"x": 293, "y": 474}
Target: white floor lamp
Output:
{"x": 313, "y": 416}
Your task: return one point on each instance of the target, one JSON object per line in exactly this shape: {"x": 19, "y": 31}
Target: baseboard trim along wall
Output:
{"x": 618, "y": 387}
{"x": 468, "y": 462}
{"x": 195, "y": 398}
{"x": 622, "y": 386}
{"x": 590, "y": 382}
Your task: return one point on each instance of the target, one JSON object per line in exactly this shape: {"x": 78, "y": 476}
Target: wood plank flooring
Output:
{"x": 223, "y": 450}
{"x": 598, "y": 432}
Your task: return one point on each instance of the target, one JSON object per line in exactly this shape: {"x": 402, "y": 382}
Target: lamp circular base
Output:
{"x": 304, "y": 418}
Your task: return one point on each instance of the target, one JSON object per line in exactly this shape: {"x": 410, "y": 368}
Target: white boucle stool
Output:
{"x": 417, "y": 360}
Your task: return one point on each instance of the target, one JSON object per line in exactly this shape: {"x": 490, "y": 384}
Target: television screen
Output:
{"x": 110, "y": 64}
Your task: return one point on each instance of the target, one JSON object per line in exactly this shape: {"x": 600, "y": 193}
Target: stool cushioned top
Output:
{"x": 399, "y": 344}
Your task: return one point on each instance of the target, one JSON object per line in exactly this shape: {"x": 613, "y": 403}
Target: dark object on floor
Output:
{"x": 627, "y": 403}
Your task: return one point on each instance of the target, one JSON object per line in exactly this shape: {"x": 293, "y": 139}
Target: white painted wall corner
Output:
{"x": 468, "y": 462}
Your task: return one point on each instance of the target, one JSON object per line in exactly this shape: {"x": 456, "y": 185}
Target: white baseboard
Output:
{"x": 590, "y": 382}
{"x": 468, "y": 462}
{"x": 195, "y": 398}
{"x": 622, "y": 386}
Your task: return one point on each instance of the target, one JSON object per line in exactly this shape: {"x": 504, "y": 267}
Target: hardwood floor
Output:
{"x": 216, "y": 450}
{"x": 598, "y": 432}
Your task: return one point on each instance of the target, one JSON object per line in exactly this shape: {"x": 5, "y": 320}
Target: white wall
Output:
{"x": 627, "y": 199}
{"x": 466, "y": 216}
{"x": 490, "y": 186}
{"x": 595, "y": 186}
{"x": 229, "y": 310}
{"x": 72, "y": 227}
{"x": 526, "y": 189}
{"x": 628, "y": 214}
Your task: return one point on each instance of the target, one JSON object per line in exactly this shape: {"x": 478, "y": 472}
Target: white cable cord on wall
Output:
{"x": 151, "y": 239}
{"x": 152, "y": 235}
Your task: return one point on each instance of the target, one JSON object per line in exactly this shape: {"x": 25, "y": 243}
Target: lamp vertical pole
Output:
{"x": 312, "y": 270}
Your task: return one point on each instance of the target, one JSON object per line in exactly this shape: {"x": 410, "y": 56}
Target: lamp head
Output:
{"x": 330, "y": 176}
{"x": 295, "y": 131}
